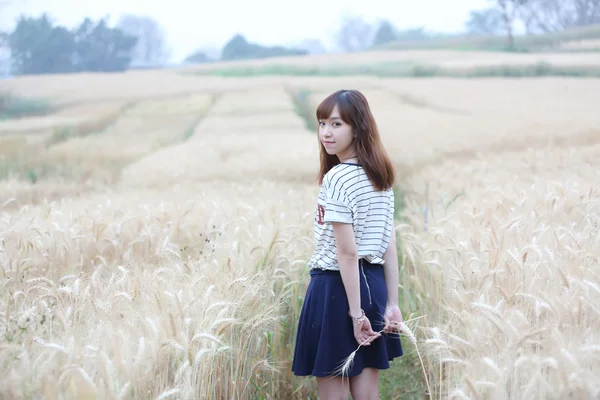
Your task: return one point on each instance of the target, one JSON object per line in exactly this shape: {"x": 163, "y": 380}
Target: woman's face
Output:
{"x": 336, "y": 135}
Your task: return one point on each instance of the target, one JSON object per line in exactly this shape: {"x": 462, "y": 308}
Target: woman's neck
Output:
{"x": 349, "y": 157}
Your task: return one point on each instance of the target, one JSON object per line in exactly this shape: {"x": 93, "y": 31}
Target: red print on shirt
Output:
{"x": 320, "y": 214}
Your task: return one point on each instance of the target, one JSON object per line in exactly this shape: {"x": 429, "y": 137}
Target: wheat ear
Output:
{"x": 349, "y": 361}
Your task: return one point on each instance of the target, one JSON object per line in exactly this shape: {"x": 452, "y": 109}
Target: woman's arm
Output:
{"x": 390, "y": 270}
{"x": 347, "y": 256}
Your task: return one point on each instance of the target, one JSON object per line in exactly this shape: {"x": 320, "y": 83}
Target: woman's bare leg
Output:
{"x": 366, "y": 385}
{"x": 333, "y": 388}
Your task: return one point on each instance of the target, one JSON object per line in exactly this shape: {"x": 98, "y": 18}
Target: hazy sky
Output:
{"x": 190, "y": 24}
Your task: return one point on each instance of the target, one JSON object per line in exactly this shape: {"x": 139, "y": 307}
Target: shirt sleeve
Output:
{"x": 337, "y": 208}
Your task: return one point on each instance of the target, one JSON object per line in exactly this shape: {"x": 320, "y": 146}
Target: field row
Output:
{"x": 423, "y": 122}
{"x": 258, "y": 132}
{"x": 98, "y": 139}
{"x": 440, "y": 58}
{"x": 244, "y": 136}
{"x": 237, "y": 135}
{"x": 139, "y": 130}
{"x": 88, "y": 128}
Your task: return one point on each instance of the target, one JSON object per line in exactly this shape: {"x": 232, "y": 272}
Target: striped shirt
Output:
{"x": 348, "y": 196}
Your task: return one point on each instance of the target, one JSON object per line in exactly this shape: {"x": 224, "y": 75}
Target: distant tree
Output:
{"x": 586, "y": 12}
{"x": 101, "y": 48}
{"x": 509, "y": 10}
{"x": 39, "y": 47}
{"x": 485, "y": 22}
{"x": 528, "y": 15}
{"x": 4, "y": 40}
{"x": 355, "y": 34}
{"x": 544, "y": 16}
{"x": 385, "y": 33}
{"x": 4, "y": 52}
{"x": 151, "y": 47}
{"x": 239, "y": 48}
{"x": 197, "y": 57}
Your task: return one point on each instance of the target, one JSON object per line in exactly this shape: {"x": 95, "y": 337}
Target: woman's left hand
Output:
{"x": 392, "y": 319}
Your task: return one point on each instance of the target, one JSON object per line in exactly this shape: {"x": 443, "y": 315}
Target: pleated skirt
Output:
{"x": 325, "y": 335}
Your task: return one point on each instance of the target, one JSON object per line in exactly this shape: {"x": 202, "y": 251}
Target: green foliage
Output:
{"x": 303, "y": 108}
{"x": 39, "y": 47}
{"x": 238, "y": 48}
{"x": 485, "y": 22}
{"x": 101, "y": 48}
{"x": 385, "y": 34}
{"x": 404, "y": 379}
{"x": 16, "y": 107}
{"x": 409, "y": 69}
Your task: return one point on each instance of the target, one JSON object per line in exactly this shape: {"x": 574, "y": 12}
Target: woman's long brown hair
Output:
{"x": 354, "y": 110}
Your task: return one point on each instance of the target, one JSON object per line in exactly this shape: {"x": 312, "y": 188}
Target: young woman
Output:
{"x": 353, "y": 291}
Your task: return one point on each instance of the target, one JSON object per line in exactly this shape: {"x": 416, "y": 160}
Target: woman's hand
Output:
{"x": 392, "y": 319}
{"x": 363, "y": 332}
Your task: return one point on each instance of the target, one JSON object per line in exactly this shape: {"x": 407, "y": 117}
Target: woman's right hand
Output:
{"x": 363, "y": 332}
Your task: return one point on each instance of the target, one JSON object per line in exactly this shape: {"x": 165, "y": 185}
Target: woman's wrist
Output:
{"x": 357, "y": 316}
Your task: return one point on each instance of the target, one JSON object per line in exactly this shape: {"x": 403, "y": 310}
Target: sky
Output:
{"x": 190, "y": 25}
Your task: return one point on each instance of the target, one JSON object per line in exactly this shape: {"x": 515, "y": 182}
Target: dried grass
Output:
{"x": 142, "y": 129}
{"x": 425, "y": 121}
{"x": 263, "y": 102}
{"x": 280, "y": 155}
{"x": 179, "y": 282}
{"x": 77, "y": 117}
{"x": 508, "y": 273}
{"x": 109, "y": 297}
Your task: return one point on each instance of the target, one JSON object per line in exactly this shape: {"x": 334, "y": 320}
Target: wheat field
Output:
{"x": 155, "y": 229}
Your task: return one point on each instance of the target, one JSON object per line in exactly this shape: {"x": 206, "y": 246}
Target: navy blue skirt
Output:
{"x": 325, "y": 336}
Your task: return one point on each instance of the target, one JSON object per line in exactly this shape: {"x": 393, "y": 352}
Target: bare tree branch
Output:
{"x": 509, "y": 9}
{"x": 355, "y": 34}
{"x": 543, "y": 16}
{"x": 151, "y": 46}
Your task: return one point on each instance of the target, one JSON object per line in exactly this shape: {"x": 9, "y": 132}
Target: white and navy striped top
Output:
{"x": 348, "y": 196}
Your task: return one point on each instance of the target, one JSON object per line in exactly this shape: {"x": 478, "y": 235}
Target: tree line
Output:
{"x": 500, "y": 17}
{"x": 536, "y": 16}
{"x": 37, "y": 45}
